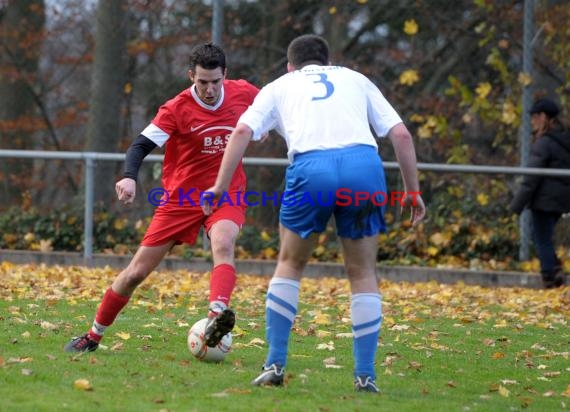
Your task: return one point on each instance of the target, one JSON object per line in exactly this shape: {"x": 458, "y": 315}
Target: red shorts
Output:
{"x": 183, "y": 224}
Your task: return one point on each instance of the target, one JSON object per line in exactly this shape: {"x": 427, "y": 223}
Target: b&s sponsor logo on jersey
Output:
{"x": 215, "y": 138}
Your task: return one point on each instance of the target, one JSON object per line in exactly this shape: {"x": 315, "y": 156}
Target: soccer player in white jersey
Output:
{"x": 324, "y": 113}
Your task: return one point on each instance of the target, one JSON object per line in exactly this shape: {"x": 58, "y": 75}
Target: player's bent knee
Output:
{"x": 223, "y": 247}
{"x": 134, "y": 276}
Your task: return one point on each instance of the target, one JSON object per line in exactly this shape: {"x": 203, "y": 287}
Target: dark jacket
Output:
{"x": 546, "y": 193}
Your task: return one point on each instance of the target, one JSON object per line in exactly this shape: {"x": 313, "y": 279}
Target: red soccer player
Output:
{"x": 194, "y": 127}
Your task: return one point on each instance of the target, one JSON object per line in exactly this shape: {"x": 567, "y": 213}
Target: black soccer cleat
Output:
{"x": 272, "y": 375}
{"x": 365, "y": 384}
{"x": 81, "y": 344}
{"x": 218, "y": 327}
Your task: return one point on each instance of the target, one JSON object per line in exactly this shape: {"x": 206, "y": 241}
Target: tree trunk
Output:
{"x": 107, "y": 91}
{"x": 21, "y": 37}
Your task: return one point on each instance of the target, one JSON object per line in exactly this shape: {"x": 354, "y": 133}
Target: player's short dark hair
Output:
{"x": 306, "y": 49}
{"x": 208, "y": 56}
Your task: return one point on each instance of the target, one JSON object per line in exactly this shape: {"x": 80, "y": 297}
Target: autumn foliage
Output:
{"x": 454, "y": 74}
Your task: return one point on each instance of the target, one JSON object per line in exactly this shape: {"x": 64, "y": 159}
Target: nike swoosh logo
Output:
{"x": 193, "y": 129}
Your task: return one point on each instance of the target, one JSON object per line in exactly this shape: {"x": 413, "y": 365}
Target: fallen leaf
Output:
{"x": 415, "y": 365}
{"x": 123, "y": 335}
{"x": 82, "y": 384}
{"x": 256, "y": 341}
{"x": 326, "y": 346}
{"x": 48, "y": 325}
{"x": 552, "y": 374}
{"x": 330, "y": 361}
{"x": 322, "y": 333}
{"x": 220, "y": 395}
{"x": 504, "y": 391}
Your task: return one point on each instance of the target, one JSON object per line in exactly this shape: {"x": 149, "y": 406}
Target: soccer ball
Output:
{"x": 200, "y": 350}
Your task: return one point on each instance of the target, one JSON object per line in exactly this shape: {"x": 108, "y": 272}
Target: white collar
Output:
{"x": 204, "y": 105}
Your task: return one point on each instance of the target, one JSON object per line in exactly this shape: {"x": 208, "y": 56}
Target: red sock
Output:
{"x": 222, "y": 283}
{"x": 111, "y": 304}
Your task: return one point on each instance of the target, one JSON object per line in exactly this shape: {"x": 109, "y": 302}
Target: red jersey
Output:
{"x": 196, "y": 135}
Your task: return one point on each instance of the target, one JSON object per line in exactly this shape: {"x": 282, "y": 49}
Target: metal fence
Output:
{"x": 90, "y": 158}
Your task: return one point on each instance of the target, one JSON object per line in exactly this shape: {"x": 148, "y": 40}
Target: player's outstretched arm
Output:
{"x": 406, "y": 155}
{"x": 238, "y": 142}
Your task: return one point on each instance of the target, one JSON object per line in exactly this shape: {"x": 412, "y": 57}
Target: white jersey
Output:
{"x": 319, "y": 108}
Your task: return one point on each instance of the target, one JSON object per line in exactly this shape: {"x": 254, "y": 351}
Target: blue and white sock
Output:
{"x": 280, "y": 311}
{"x": 366, "y": 316}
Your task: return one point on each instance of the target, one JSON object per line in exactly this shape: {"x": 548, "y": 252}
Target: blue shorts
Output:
{"x": 339, "y": 183}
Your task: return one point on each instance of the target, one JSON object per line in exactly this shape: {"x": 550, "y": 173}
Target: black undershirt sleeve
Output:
{"x": 140, "y": 148}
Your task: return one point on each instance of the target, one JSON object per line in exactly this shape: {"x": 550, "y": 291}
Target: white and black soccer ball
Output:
{"x": 200, "y": 350}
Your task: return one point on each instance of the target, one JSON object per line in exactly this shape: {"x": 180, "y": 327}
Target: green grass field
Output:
{"x": 442, "y": 348}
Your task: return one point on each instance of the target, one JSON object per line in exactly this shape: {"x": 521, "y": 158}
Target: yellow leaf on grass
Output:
{"x": 331, "y": 363}
{"x": 504, "y": 391}
{"x": 322, "y": 333}
{"x": 256, "y": 341}
{"x": 123, "y": 335}
{"x": 500, "y": 324}
{"x": 82, "y": 384}
{"x": 48, "y": 325}
{"x": 220, "y": 395}
{"x": 326, "y": 346}
{"x": 415, "y": 365}
{"x": 322, "y": 318}
{"x": 554, "y": 374}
